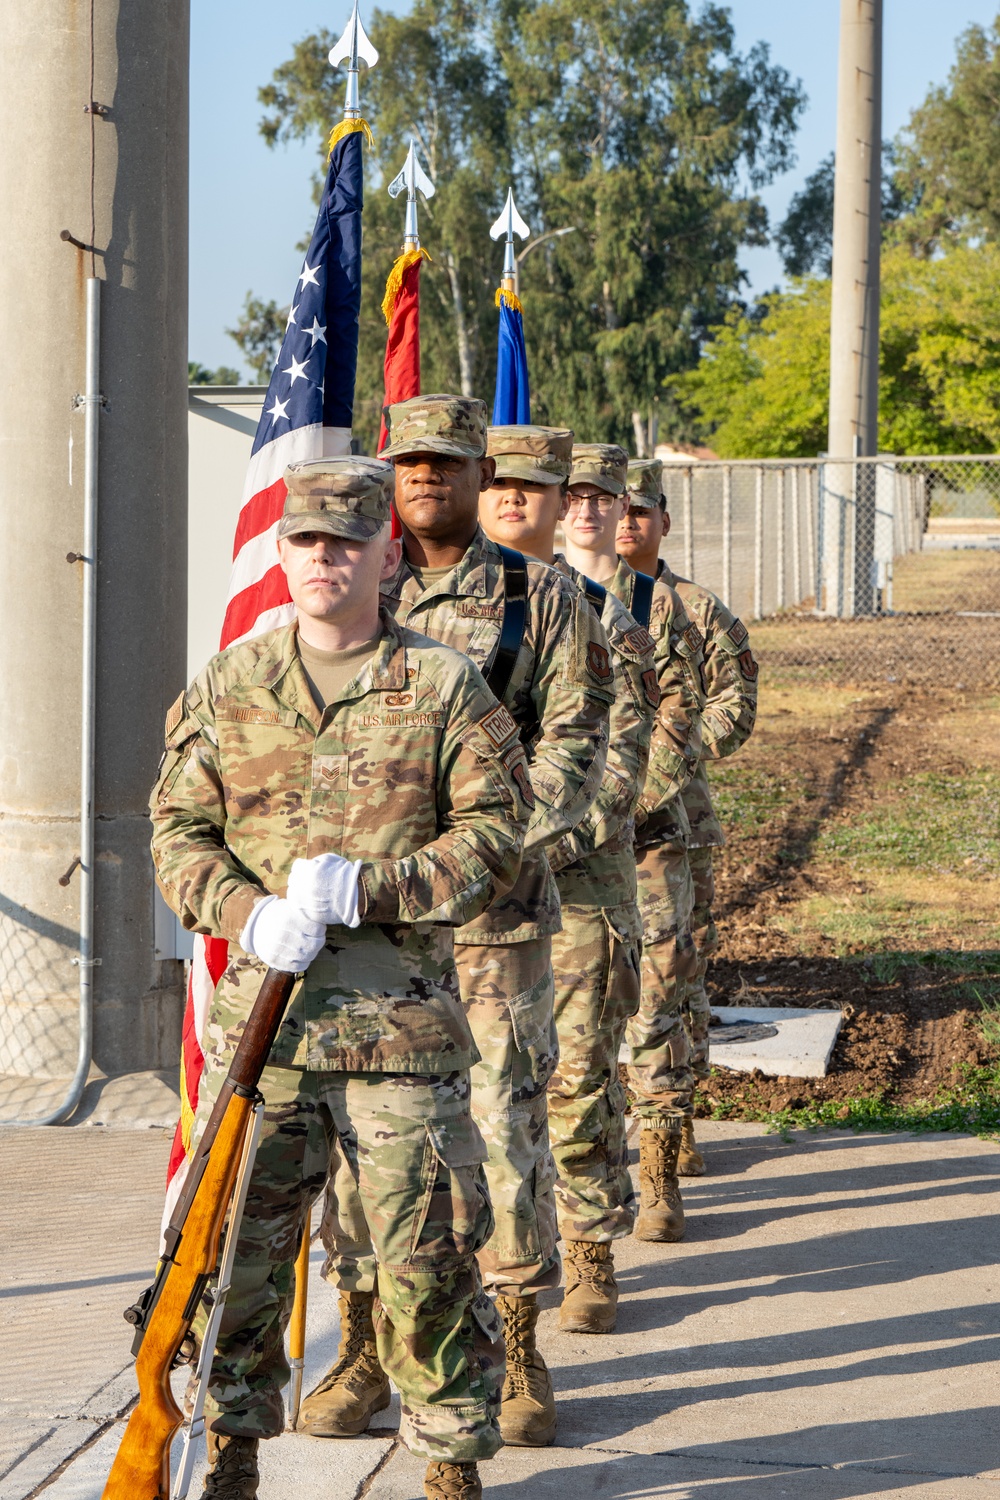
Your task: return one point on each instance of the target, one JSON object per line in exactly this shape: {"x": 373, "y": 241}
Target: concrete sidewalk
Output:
{"x": 829, "y": 1329}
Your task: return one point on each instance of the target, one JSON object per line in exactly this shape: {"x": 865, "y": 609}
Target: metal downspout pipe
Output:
{"x": 91, "y": 402}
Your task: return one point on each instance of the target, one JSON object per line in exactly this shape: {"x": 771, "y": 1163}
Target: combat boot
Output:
{"x": 528, "y": 1407}
{"x": 661, "y": 1212}
{"x": 690, "y": 1162}
{"x": 590, "y": 1302}
{"x": 356, "y": 1387}
{"x": 450, "y": 1481}
{"x": 232, "y": 1472}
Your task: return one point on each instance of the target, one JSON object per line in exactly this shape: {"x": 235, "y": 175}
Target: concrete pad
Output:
{"x": 802, "y": 1048}
{"x": 556, "y": 1473}
{"x": 828, "y": 1330}
{"x": 833, "y": 1304}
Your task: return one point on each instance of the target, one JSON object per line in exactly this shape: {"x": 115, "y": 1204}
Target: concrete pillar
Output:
{"x": 854, "y": 313}
{"x": 118, "y": 181}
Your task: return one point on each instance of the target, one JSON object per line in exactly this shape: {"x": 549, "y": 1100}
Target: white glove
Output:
{"x": 282, "y": 936}
{"x": 326, "y": 888}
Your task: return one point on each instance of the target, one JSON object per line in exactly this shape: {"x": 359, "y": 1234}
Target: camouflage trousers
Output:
{"x": 660, "y": 1071}
{"x": 697, "y": 1010}
{"x": 507, "y": 993}
{"x": 415, "y": 1158}
{"x": 595, "y": 965}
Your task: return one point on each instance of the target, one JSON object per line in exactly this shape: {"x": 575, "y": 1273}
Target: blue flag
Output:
{"x": 512, "y": 399}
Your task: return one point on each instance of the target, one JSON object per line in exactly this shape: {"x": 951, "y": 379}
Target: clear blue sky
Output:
{"x": 250, "y": 206}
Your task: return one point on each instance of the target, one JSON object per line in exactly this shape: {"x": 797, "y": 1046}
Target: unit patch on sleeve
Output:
{"x": 598, "y": 662}
{"x": 651, "y": 688}
{"x": 748, "y": 666}
{"x": 518, "y": 767}
{"x": 694, "y": 637}
{"x": 737, "y": 633}
{"x": 499, "y": 725}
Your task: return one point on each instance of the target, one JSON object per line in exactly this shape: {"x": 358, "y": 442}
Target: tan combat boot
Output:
{"x": 232, "y": 1472}
{"x": 690, "y": 1162}
{"x": 590, "y": 1302}
{"x": 661, "y": 1212}
{"x": 450, "y": 1481}
{"x": 528, "y": 1407}
{"x": 356, "y": 1387}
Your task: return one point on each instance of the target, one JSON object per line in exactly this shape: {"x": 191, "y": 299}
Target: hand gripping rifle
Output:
{"x": 164, "y": 1313}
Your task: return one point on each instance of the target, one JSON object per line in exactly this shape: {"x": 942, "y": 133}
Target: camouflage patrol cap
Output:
{"x": 539, "y": 455}
{"x": 645, "y": 483}
{"x": 345, "y": 496}
{"x": 600, "y": 464}
{"x": 453, "y": 425}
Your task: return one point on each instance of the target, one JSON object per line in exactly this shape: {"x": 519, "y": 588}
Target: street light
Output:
{"x": 550, "y": 234}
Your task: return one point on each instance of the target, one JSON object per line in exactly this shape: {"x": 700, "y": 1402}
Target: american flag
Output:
{"x": 307, "y": 414}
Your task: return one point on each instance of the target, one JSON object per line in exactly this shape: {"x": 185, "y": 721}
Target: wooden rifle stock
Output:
{"x": 163, "y": 1317}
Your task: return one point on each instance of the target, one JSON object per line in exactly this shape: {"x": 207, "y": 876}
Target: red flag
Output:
{"x": 401, "y": 306}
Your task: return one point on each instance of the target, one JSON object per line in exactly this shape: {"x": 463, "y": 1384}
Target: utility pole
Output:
{"x": 854, "y": 312}
{"x": 93, "y": 405}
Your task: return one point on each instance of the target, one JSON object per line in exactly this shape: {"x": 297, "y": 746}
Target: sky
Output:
{"x": 250, "y": 205}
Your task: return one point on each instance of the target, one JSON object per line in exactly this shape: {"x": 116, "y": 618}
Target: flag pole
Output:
{"x": 511, "y": 401}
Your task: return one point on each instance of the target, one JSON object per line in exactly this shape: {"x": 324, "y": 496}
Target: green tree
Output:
{"x": 949, "y": 152}
{"x": 224, "y": 375}
{"x": 258, "y": 334}
{"x": 805, "y": 236}
{"x": 761, "y": 388}
{"x": 639, "y": 123}
{"x": 633, "y": 121}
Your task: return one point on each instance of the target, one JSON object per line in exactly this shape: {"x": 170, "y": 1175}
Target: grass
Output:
{"x": 747, "y": 796}
{"x": 946, "y": 580}
{"x": 897, "y": 911}
{"x": 932, "y": 822}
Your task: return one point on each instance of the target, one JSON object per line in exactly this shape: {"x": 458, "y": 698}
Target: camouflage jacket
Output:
{"x": 562, "y": 687}
{"x": 415, "y": 769}
{"x": 731, "y": 697}
{"x": 595, "y": 864}
{"x": 676, "y": 748}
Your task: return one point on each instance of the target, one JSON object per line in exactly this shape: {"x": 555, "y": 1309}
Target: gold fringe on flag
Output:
{"x": 348, "y": 127}
{"x": 512, "y": 300}
{"x": 393, "y": 285}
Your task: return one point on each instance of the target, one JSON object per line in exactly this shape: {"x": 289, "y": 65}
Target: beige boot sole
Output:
{"x": 517, "y": 1437}
{"x": 331, "y": 1427}
{"x": 658, "y": 1231}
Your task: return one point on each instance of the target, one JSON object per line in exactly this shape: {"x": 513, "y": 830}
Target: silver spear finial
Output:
{"x": 508, "y": 224}
{"x": 353, "y": 48}
{"x": 412, "y": 178}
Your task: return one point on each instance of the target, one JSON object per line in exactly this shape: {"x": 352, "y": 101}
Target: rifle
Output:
{"x": 164, "y": 1313}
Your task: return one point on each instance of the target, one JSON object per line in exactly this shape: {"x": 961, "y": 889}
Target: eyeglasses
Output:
{"x": 602, "y": 502}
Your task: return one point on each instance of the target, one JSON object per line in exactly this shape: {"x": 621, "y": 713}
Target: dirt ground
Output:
{"x": 862, "y": 871}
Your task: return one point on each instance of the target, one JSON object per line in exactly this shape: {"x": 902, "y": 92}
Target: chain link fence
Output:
{"x": 869, "y": 570}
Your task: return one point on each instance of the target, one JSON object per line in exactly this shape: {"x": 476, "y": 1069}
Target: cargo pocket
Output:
{"x": 622, "y": 986}
{"x": 534, "y": 1032}
{"x": 454, "y": 1218}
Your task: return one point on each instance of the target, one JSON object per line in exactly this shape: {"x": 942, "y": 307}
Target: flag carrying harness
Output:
{"x": 500, "y": 667}
{"x": 642, "y": 599}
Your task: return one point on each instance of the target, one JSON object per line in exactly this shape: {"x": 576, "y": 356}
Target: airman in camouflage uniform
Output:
{"x": 595, "y": 957}
{"x": 727, "y": 723}
{"x": 414, "y": 773}
{"x": 451, "y": 586}
{"x": 660, "y": 1071}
